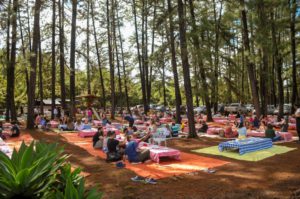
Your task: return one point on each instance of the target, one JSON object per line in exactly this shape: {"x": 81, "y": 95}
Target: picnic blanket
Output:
{"x": 188, "y": 162}
{"x": 246, "y": 145}
{"x": 252, "y": 156}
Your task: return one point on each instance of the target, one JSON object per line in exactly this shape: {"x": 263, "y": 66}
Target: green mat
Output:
{"x": 59, "y": 131}
{"x": 253, "y": 156}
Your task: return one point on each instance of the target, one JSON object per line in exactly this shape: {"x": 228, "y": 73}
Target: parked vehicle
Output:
{"x": 270, "y": 109}
{"x": 200, "y": 109}
{"x": 236, "y": 107}
{"x": 249, "y": 107}
{"x": 287, "y": 109}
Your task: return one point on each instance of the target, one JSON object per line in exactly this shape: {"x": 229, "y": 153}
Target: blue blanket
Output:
{"x": 246, "y": 145}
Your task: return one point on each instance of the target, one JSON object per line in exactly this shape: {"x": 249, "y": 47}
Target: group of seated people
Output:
{"x": 117, "y": 149}
{"x": 14, "y": 130}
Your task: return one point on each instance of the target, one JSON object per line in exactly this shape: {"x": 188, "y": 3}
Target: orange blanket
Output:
{"x": 188, "y": 163}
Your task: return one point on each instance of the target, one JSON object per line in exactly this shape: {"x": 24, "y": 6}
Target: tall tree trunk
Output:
{"x": 123, "y": 64}
{"x": 8, "y": 111}
{"x": 200, "y": 62}
{"x": 277, "y": 66}
{"x": 33, "y": 62}
{"x": 174, "y": 64}
{"x": 111, "y": 64}
{"x": 186, "y": 70}
{"x": 98, "y": 58}
{"x": 116, "y": 49}
{"x": 41, "y": 75}
{"x": 88, "y": 48}
{"x": 250, "y": 65}
{"x": 152, "y": 50}
{"x": 293, "y": 10}
{"x": 28, "y": 26}
{"x": 142, "y": 75}
{"x": 23, "y": 50}
{"x": 72, "y": 58}
{"x": 263, "y": 32}
{"x": 53, "y": 75}
{"x": 146, "y": 61}
{"x": 62, "y": 54}
{"x": 12, "y": 64}
{"x": 217, "y": 20}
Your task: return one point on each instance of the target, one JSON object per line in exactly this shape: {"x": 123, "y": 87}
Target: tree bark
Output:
{"x": 278, "y": 67}
{"x": 7, "y": 112}
{"x": 88, "y": 48}
{"x": 174, "y": 64}
{"x": 217, "y": 21}
{"x": 62, "y": 54}
{"x": 72, "y": 59}
{"x": 98, "y": 58}
{"x": 142, "y": 75}
{"x": 293, "y": 9}
{"x": 41, "y": 76}
{"x": 111, "y": 64}
{"x": 53, "y": 75}
{"x": 33, "y": 62}
{"x": 250, "y": 65}
{"x": 263, "y": 32}
{"x": 116, "y": 49}
{"x": 200, "y": 63}
{"x": 11, "y": 64}
{"x": 186, "y": 70}
{"x": 123, "y": 64}
{"x": 23, "y": 50}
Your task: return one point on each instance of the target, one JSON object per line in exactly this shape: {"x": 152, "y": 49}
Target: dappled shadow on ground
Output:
{"x": 275, "y": 177}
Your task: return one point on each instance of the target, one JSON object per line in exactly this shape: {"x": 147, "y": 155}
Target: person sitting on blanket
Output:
{"x": 242, "y": 131}
{"x": 15, "y": 130}
{"x": 203, "y": 128}
{"x": 285, "y": 124}
{"x": 270, "y": 133}
{"x": 114, "y": 148}
{"x": 69, "y": 126}
{"x": 134, "y": 154}
{"x": 43, "y": 123}
{"x": 98, "y": 139}
{"x": 228, "y": 132}
{"x": 105, "y": 121}
{"x": 78, "y": 125}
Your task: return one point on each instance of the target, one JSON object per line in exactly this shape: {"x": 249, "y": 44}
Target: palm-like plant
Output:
{"x": 40, "y": 171}
{"x": 30, "y": 171}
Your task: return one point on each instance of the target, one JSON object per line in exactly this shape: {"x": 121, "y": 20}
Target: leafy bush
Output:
{"x": 40, "y": 171}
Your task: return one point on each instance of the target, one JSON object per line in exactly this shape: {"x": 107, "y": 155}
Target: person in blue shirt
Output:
{"x": 135, "y": 155}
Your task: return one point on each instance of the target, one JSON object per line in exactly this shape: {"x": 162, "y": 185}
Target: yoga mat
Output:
{"x": 253, "y": 156}
{"x": 167, "y": 168}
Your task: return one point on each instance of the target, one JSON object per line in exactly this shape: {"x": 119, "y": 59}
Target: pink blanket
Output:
{"x": 87, "y": 133}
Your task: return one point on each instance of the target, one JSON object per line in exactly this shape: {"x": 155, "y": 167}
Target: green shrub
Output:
{"x": 40, "y": 171}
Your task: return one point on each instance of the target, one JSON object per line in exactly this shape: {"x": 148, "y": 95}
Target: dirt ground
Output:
{"x": 275, "y": 177}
